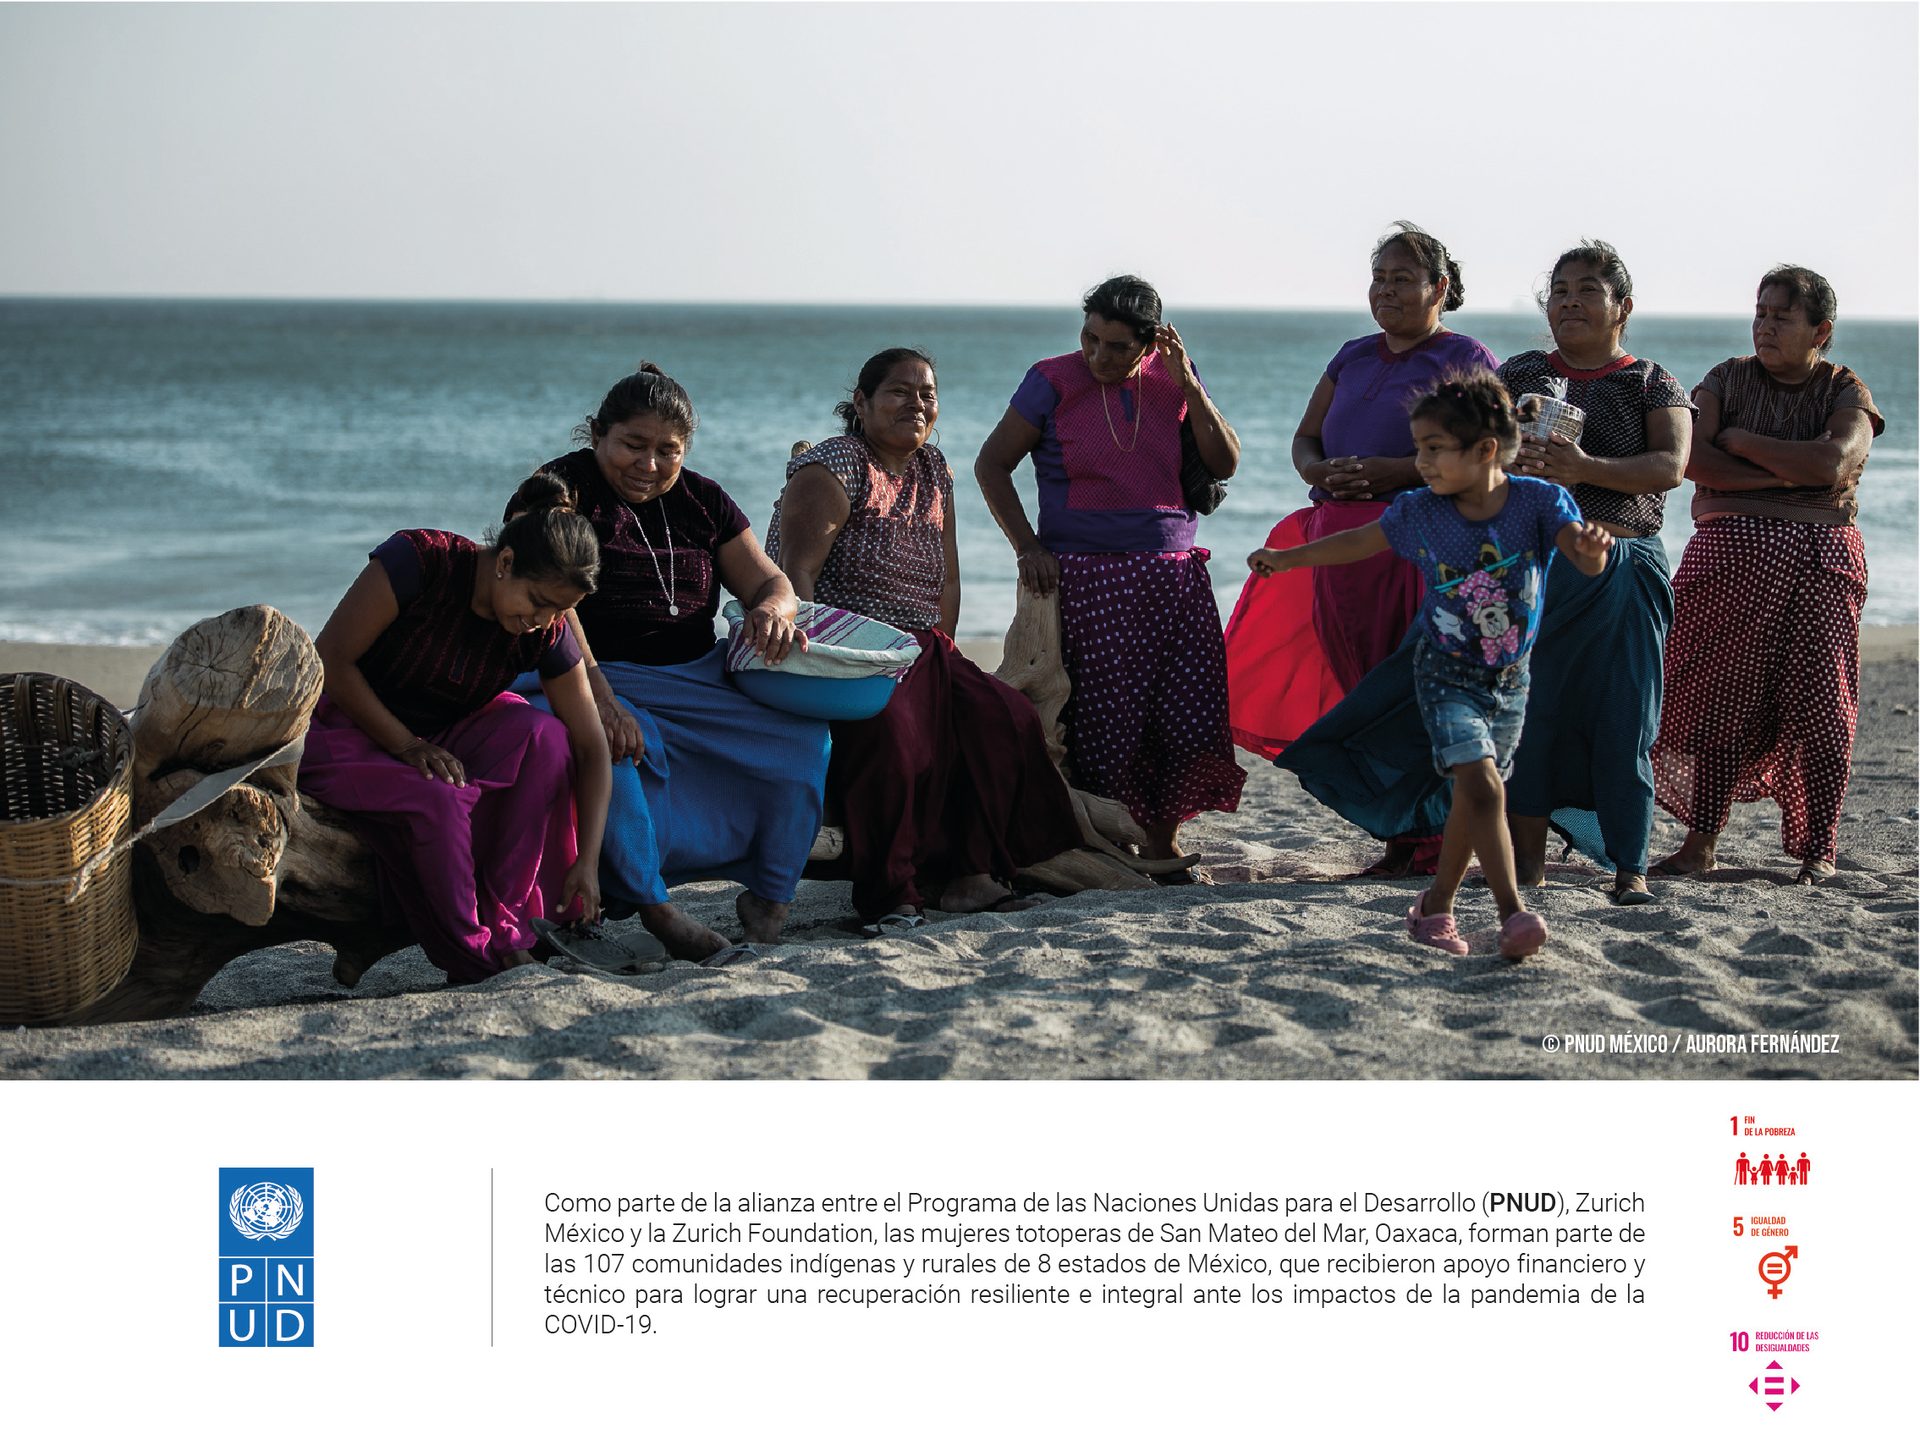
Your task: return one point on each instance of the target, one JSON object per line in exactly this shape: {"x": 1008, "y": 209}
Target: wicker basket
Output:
{"x": 67, "y": 798}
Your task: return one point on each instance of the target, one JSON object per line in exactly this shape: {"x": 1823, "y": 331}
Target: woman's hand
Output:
{"x": 433, "y": 762}
{"x": 582, "y": 883}
{"x": 771, "y": 632}
{"x": 1039, "y": 570}
{"x": 1361, "y": 477}
{"x": 1173, "y": 353}
{"x": 1556, "y": 458}
{"x": 623, "y": 731}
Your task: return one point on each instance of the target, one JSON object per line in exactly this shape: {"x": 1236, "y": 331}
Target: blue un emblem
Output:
{"x": 266, "y": 1257}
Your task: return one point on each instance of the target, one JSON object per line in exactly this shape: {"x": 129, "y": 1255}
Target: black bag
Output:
{"x": 1202, "y": 489}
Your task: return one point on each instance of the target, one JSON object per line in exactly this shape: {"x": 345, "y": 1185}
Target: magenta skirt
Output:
{"x": 467, "y": 868}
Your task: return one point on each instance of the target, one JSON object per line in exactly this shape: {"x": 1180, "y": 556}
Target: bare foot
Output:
{"x": 1694, "y": 857}
{"x": 761, "y": 919}
{"x": 1396, "y": 863}
{"x": 1812, "y": 872}
{"x": 1529, "y": 850}
{"x": 517, "y": 958}
{"x": 971, "y": 894}
{"x": 684, "y": 937}
{"x": 1163, "y": 842}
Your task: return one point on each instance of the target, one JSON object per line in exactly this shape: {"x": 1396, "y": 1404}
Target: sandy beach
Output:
{"x": 1276, "y": 969}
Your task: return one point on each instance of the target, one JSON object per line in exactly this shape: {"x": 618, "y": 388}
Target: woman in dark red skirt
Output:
{"x": 1763, "y": 666}
{"x": 948, "y": 791}
{"x": 467, "y": 794}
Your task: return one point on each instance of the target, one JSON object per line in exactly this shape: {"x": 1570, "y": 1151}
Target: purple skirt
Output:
{"x": 469, "y": 868}
{"x": 1147, "y": 722}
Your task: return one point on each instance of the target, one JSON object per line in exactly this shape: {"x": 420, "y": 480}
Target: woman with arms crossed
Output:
{"x": 1763, "y": 667}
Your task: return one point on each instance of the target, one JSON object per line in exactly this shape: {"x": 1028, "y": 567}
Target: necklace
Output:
{"x": 1139, "y": 396}
{"x": 666, "y": 580}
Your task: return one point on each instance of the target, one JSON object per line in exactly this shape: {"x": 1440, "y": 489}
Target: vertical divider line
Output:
{"x": 489, "y": 1257}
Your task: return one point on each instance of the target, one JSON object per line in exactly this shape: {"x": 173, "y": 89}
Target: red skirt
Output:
{"x": 951, "y": 779}
{"x": 1763, "y": 677}
{"x": 1299, "y": 642}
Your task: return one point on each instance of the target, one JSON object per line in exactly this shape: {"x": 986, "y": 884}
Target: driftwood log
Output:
{"x": 1112, "y": 858}
{"x": 265, "y": 865}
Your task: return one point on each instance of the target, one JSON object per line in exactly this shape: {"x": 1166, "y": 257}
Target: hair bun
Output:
{"x": 647, "y": 367}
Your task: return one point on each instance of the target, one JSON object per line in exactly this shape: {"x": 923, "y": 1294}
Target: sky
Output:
{"x": 1242, "y": 156}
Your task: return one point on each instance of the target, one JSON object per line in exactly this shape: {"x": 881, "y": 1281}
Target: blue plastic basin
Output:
{"x": 816, "y": 696}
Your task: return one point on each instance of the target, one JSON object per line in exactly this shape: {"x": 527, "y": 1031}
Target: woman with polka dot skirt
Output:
{"x": 1140, "y": 635}
{"x": 1763, "y": 666}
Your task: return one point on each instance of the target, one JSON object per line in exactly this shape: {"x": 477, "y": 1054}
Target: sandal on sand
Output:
{"x": 1621, "y": 896}
{"x": 1438, "y": 931}
{"x": 898, "y": 923}
{"x": 1815, "y": 872}
{"x": 745, "y": 950}
{"x": 589, "y": 945}
{"x": 1521, "y": 934}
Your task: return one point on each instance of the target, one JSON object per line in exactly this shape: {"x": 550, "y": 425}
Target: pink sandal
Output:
{"x": 1522, "y": 933}
{"x": 1438, "y": 931}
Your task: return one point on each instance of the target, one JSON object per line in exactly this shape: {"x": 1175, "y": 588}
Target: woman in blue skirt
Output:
{"x": 708, "y": 784}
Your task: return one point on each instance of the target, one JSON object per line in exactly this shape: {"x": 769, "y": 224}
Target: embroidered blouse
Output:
{"x": 890, "y": 559}
{"x": 438, "y": 662}
{"x": 652, "y": 556}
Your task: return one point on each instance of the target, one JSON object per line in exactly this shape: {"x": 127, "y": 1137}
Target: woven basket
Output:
{"x": 67, "y": 797}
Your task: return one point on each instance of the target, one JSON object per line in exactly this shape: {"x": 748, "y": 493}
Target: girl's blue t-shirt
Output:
{"x": 1484, "y": 577}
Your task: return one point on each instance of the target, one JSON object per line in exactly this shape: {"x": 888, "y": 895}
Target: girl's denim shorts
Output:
{"x": 1472, "y": 712}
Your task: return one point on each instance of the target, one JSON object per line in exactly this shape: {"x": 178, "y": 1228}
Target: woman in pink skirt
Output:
{"x": 1298, "y": 643}
{"x": 1763, "y": 665}
{"x": 466, "y": 794}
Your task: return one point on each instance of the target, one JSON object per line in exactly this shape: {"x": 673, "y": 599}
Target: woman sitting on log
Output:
{"x": 720, "y": 786}
{"x": 466, "y": 794}
{"x": 948, "y": 791}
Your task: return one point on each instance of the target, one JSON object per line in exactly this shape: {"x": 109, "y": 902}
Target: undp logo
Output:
{"x": 266, "y": 1257}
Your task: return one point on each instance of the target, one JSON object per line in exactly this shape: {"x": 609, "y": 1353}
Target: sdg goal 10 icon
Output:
{"x": 266, "y": 1257}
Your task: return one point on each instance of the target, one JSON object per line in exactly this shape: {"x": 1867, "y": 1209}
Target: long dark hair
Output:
{"x": 549, "y": 540}
{"x": 1430, "y": 255}
{"x": 873, "y": 375}
{"x": 649, "y": 390}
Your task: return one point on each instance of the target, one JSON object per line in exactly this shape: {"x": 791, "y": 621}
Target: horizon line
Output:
{"x": 950, "y": 304}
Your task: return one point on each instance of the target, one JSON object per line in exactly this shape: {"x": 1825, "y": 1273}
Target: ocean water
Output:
{"x": 161, "y": 461}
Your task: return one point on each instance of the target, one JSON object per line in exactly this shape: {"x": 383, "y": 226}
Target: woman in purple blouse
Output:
{"x": 1139, "y": 633}
{"x": 1294, "y": 649}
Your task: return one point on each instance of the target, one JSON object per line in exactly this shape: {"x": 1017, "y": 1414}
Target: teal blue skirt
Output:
{"x": 1593, "y": 711}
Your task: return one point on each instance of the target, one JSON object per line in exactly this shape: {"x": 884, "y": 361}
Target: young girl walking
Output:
{"x": 1482, "y": 541}
{"x": 483, "y": 814}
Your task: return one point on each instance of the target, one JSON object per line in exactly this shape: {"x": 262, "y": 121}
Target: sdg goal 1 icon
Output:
{"x": 266, "y": 1257}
